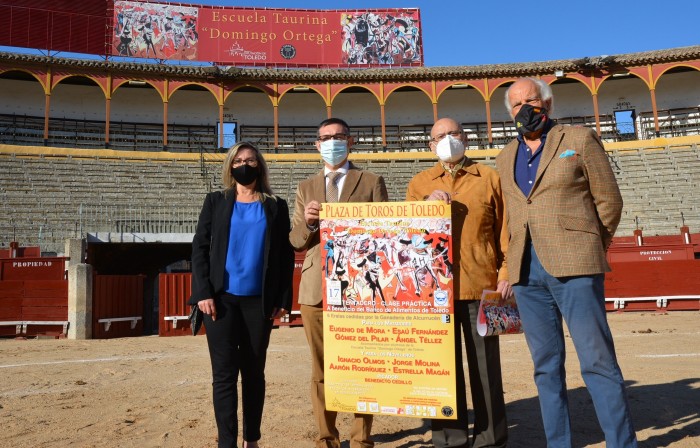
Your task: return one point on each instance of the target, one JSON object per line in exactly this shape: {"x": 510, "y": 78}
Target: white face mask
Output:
{"x": 450, "y": 149}
{"x": 334, "y": 151}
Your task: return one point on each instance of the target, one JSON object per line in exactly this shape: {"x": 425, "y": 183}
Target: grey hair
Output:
{"x": 545, "y": 91}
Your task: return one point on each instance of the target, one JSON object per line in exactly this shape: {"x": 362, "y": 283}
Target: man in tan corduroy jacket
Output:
{"x": 480, "y": 242}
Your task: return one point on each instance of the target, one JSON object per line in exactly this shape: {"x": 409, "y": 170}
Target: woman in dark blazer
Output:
{"x": 242, "y": 265}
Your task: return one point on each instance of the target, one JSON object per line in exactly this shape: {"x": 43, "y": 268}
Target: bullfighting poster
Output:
{"x": 388, "y": 308}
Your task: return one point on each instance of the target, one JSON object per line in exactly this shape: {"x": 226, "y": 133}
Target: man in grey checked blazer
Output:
{"x": 563, "y": 207}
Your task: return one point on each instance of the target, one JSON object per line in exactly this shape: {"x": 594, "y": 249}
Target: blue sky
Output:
{"x": 474, "y": 32}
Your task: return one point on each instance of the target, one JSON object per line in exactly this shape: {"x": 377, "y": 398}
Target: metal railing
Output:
{"x": 28, "y": 130}
{"x": 129, "y": 218}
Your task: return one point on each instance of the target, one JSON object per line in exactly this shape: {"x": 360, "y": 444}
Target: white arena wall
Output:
{"x": 199, "y": 107}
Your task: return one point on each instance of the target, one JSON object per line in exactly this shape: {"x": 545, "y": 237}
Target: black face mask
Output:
{"x": 530, "y": 119}
{"x": 245, "y": 174}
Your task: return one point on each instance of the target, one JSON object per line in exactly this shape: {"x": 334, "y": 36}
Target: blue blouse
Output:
{"x": 246, "y": 247}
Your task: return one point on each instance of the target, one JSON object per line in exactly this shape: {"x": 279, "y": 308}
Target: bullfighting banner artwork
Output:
{"x": 266, "y": 36}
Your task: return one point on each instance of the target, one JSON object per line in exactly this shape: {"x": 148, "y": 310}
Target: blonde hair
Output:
{"x": 263, "y": 182}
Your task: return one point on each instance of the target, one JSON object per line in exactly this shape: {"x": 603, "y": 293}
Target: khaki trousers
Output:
{"x": 328, "y": 436}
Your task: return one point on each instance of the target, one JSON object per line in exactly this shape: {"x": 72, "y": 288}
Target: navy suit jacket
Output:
{"x": 210, "y": 246}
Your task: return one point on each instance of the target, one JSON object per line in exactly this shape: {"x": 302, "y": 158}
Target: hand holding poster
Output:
{"x": 497, "y": 316}
{"x": 388, "y": 308}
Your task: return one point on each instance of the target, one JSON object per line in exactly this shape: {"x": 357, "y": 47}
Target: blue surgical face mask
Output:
{"x": 333, "y": 151}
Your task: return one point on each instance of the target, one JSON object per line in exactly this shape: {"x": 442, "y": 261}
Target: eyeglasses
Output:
{"x": 325, "y": 138}
{"x": 439, "y": 137}
{"x": 250, "y": 162}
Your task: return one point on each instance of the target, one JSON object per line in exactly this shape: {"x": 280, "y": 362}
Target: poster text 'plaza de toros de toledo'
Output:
{"x": 267, "y": 37}
{"x": 388, "y": 308}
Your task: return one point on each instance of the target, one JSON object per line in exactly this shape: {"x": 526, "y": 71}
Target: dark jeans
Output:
{"x": 486, "y": 386}
{"x": 238, "y": 341}
{"x": 544, "y": 301}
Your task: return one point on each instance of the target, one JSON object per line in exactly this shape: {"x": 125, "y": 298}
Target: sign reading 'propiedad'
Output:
{"x": 388, "y": 308}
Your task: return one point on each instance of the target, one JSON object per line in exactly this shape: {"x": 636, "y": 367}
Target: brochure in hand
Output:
{"x": 497, "y": 316}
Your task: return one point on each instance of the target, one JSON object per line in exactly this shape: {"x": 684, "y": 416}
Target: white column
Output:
{"x": 80, "y": 301}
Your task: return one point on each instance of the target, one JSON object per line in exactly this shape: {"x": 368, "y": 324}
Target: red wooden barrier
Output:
{"x": 173, "y": 292}
{"x": 295, "y": 314}
{"x": 117, "y": 306}
{"x": 11, "y": 295}
{"x": 33, "y": 294}
{"x": 653, "y": 286}
{"x": 45, "y": 300}
{"x": 17, "y": 251}
{"x": 175, "y": 289}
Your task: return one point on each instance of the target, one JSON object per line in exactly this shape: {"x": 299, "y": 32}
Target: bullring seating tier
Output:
{"x": 20, "y": 129}
{"x": 51, "y": 194}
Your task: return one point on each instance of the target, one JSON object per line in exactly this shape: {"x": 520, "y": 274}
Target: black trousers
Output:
{"x": 238, "y": 341}
{"x": 486, "y": 387}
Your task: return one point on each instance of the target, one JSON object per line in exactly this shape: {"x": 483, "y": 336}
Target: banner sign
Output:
{"x": 388, "y": 308}
{"x": 268, "y": 37}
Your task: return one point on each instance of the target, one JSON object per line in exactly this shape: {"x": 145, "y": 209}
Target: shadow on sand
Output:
{"x": 672, "y": 409}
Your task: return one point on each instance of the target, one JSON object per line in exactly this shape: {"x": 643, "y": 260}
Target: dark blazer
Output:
{"x": 210, "y": 245}
{"x": 574, "y": 207}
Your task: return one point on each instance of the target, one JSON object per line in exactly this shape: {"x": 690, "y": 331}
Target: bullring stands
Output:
{"x": 48, "y": 195}
{"x": 18, "y": 129}
{"x": 47, "y": 199}
{"x": 63, "y": 132}
{"x": 660, "y": 187}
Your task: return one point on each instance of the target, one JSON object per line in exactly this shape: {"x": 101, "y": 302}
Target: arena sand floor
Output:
{"x": 155, "y": 392}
